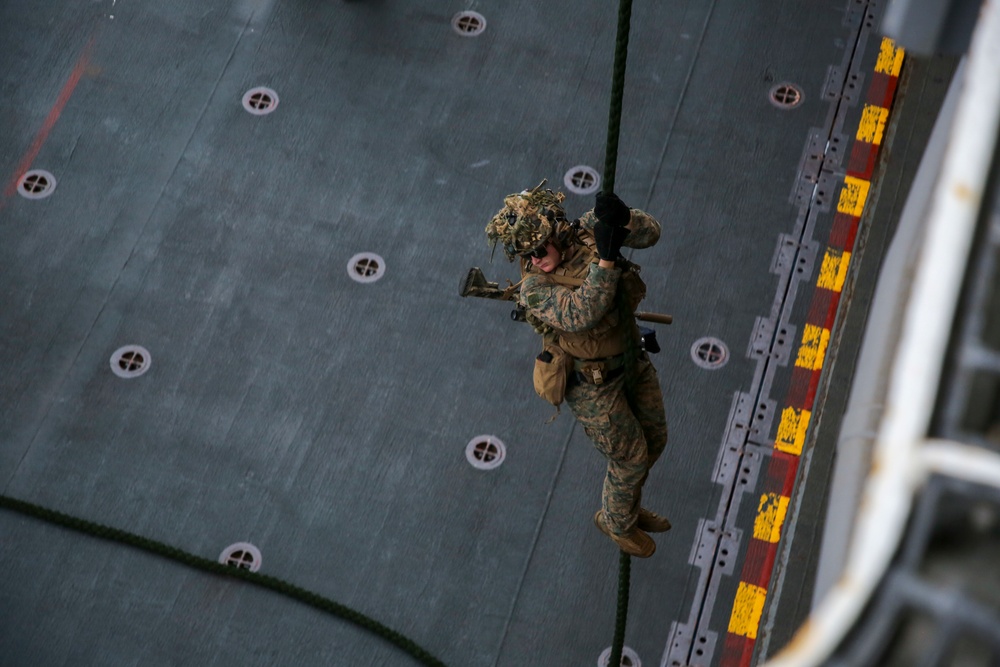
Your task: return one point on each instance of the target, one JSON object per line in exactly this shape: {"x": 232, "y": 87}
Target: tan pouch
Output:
{"x": 552, "y": 369}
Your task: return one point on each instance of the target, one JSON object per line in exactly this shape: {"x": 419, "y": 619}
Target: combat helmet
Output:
{"x": 527, "y": 221}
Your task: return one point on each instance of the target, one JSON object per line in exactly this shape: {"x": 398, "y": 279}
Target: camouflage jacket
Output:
{"x": 584, "y": 318}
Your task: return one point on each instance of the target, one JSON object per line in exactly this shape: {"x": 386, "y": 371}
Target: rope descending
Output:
{"x": 624, "y": 576}
{"x": 617, "y": 94}
{"x": 198, "y": 562}
{"x": 610, "y": 166}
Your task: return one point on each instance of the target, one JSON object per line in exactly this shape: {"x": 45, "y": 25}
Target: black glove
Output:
{"x": 609, "y": 240}
{"x": 612, "y": 210}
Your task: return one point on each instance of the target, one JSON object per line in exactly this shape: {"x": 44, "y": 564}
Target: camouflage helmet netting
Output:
{"x": 526, "y": 221}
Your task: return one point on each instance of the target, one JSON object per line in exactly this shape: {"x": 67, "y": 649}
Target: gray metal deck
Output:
{"x": 325, "y": 420}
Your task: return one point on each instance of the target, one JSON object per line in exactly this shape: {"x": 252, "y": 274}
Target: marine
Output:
{"x": 580, "y": 294}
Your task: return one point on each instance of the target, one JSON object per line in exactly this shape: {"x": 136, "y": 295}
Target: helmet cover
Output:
{"x": 527, "y": 220}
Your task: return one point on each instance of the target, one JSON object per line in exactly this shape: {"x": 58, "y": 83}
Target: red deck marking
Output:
{"x": 50, "y": 120}
{"x": 823, "y": 301}
{"x": 845, "y": 227}
{"x": 799, "y": 388}
{"x": 738, "y": 651}
{"x": 883, "y": 89}
{"x": 862, "y": 161}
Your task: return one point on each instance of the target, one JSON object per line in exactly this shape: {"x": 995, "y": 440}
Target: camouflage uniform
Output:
{"x": 585, "y": 322}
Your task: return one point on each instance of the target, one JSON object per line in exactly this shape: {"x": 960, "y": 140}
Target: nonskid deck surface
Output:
{"x": 323, "y": 417}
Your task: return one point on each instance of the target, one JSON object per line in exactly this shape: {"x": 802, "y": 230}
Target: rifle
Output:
{"x": 476, "y": 284}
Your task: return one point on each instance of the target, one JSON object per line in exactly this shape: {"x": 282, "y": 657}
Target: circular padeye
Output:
{"x": 260, "y": 100}
{"x": 242, "y": 555}
{"x": 786, "y": 96}
{"x": 130, "y": 361}
{"x": 629, "y": 658}
{"x": 36, "y": 184}
{"x": 366, "y": 267}
{"x": 582, "y": 180}
{"x": 468, "y": 24}
{"x": 485, "y": 452}
{"x": 710, "y": 353}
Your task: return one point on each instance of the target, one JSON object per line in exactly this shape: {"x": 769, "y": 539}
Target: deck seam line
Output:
{"x": 534, "y": 544}
{"x": 677, "y": 106}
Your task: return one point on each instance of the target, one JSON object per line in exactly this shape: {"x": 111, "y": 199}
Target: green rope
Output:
{"x": 265, "y": 581}
{"x": 617, "y": 94}
{"x": 624, "y": 575}
{"x": 610, "y": 167}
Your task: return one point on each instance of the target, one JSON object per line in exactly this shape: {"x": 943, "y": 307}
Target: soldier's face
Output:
{"x": 550, "y": 262}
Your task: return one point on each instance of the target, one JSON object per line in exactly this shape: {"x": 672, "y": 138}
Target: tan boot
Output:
{"x": 652, "y": 522}
{"x": 635, "y": 542}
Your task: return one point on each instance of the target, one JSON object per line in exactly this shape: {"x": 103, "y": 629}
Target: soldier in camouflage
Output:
{"x": 580, "y": 294}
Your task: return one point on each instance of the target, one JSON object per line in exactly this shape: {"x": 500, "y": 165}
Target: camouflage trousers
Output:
{"x": 631, "y": 437}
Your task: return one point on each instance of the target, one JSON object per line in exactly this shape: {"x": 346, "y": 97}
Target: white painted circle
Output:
{"x": 710, "y": 353}
{"x": 468, "y": 24}
{"x": 36, "y": 184}
{"x": 130, "y": 361}
{"x": 485, "y": 452}
{"x": 629, "y": 658}
{"x": 582, "y": 180}
{"x": 241, "y": 554}
{"x": 366, "y": 267}
{"x": 260, "y": 100}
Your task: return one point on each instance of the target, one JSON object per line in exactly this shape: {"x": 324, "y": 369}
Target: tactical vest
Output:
{"x": 608, "y": 337}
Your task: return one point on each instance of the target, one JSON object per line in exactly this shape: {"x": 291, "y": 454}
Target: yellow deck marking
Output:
{"x": 853, "y": 196}
{"x": 872, "y": 124}
{"x": 890, "y": 58}
{"x": 833, "y": 272}
{"x": 770, "y": 517}
{"x": 747, "y": 609}
{"x": 792, "y": 430}
{"x": 813, "y": 349}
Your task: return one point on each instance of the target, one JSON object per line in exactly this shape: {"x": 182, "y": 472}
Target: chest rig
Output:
{"x": 608, "y": 338}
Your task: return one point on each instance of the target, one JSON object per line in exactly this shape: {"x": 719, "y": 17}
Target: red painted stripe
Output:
{"x": 842, "y": 233}
{"x": 781, "y": 465}
{"x": 757, "y": 563}
{"x": 882, "y": 90}
{"x": 831, "y": 313}
{"x": 884, "y": 95}
{"x": 737, "y": 651}
{"x": 43, "y": 133}
{"x": 798, "y": 389}
{"x": 820, "y": 306}
{"x": 852, "y": 233}
{"x": 878, "y": 88}
{"x": 862, "y": 161}
{"x": 813, "y": 388}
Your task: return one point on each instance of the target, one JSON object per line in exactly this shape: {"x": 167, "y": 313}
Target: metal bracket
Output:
{"x": 834, "y": 84}
{"x": 737, "y": 430}
{"x": 762, "y": 419}
{"x": 765, "y": 342}
{"x": 810, "y": 164}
